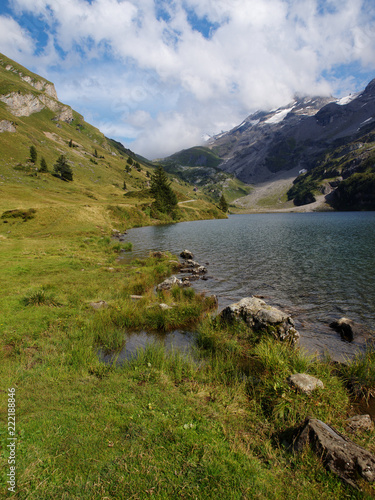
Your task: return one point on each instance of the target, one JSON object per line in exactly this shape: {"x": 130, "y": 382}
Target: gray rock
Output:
{"x": 169, "y": 283}
{"x": 186, "y": 254}
{"x": 101, "y": 304}
{"x": 260, "y": 316}
{"x": 304, "y": 382}
{"x": 199, "y": 270}
{"x": 340, "y": 455}
{"x": 360, "y": 423}
{"x": 164, "y": 307}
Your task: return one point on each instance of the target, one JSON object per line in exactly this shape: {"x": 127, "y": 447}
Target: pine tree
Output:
{"x": 165, "y": 197}
{"x": 33, "y": 154}
{"x": 223, "y": 205}
{"x": 62, "y": 169}
{"x": 43, "y": 165}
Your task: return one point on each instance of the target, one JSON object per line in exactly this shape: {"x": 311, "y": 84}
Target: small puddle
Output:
{"x": 175, "y": 340}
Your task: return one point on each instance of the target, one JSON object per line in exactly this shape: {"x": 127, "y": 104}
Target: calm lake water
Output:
{"x": 317, "y": 266}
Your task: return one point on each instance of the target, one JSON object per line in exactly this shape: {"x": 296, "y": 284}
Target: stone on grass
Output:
{"x": 339, "y": 454}
{"x": 169, "y": 283}
{"x": 360, "y": 423}
{"x": 304, "y": 382}
{"x": 101, "y": 304}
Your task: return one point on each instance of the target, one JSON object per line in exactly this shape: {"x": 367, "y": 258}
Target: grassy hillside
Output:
{"x": 104, "y": 171}
{"x": 199, "y": 166}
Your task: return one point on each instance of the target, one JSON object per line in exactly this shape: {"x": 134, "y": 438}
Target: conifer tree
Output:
{"x": 165, "y": 197}
{"x": 62, "y": 169}
{"x": 223, "y": 205}
{"x": 43, "y": 165}
{"x": 33, "y": 154}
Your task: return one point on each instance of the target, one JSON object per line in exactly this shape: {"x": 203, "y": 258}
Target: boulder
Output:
{"x": 260, "y": 316}
{"x": 186, "y": 254}
{"x": 339, "y": 454}
{"x": 304, "y": 382}
{"x": 347, "y": 329}
{"x": 170, "y": 282}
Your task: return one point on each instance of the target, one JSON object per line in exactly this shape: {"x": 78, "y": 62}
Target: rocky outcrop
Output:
{"x": 27, "y": 104}
{"x": 7, "y": 126}
{"x": 260, "y": 316}
{"x": 38, "y": 84}
{"x": 22, "y": 104}
{"x": 339, "y": 454}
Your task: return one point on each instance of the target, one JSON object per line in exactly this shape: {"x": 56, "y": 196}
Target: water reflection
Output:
{"x": 177, "y": 340}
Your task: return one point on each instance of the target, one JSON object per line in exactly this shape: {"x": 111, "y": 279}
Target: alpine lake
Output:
{"x": 318, "y": 267}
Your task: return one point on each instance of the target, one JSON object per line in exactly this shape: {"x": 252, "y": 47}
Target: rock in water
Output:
{"x": 349, "y": 330}
{"x": 260, "y": 316}
{"x": 186, "y": 254}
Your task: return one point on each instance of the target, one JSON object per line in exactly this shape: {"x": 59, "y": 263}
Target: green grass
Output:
{"x": 213, "y": 425}
{"x": 162, "y": 424}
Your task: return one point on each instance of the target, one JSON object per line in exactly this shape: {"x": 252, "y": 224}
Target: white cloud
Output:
{"x": 160, "y": 81}
{"x": 13, "y": 39}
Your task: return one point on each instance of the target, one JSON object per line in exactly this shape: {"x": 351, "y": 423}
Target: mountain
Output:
{"x": 106, "y": 175}
{"x": 292, "y": 136}
{"x": 324, "y": 138}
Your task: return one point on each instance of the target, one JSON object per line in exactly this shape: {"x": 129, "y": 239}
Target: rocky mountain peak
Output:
{"x": 370, "y": 88}
{"x": 292, "y": 136}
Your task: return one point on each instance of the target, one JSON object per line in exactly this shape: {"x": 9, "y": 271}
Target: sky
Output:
{"x": 160, "y": 75}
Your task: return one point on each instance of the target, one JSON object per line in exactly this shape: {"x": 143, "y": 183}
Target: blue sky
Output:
{"x": 158, "y": 75}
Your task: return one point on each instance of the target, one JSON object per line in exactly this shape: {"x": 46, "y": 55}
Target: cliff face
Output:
{"x": 33, "y": 93}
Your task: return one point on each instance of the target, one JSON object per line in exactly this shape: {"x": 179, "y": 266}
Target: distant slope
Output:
{"x": 199, "y": 166}
{"x": 103, "y": 169}
{"x": 295, "y": 136}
